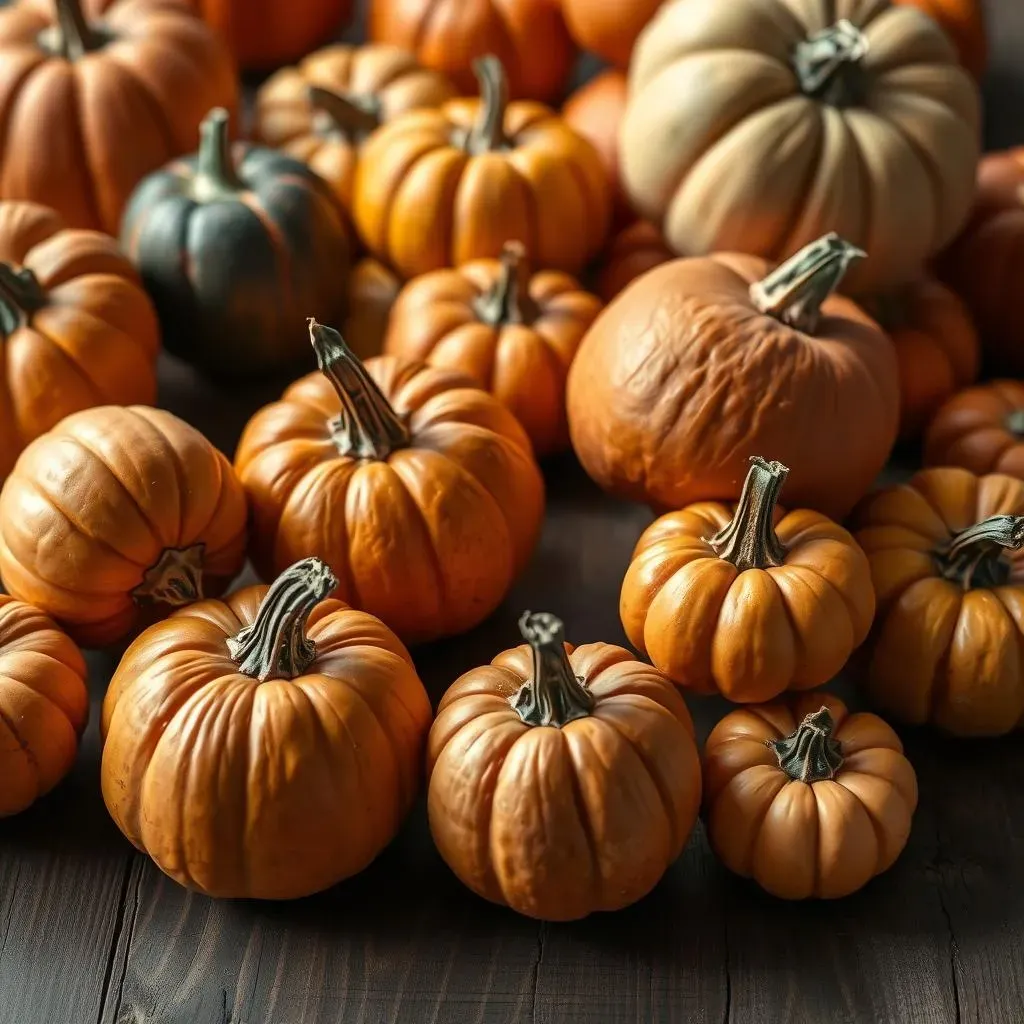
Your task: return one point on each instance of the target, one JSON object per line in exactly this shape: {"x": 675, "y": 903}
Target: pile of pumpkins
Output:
{"x": 794, "y": 261}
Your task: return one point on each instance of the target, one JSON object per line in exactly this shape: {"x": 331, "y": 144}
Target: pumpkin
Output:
{"x": 805, "y": 798}
{"x": 529, "y": 37}
{"x": 608, "y": 28}
{"x": 323, "y": 110}
{"x": 236, "y": 248}
{"x": 631, "y": 253}
{"x": 945, "y": 554}
{"x": 704, "y": 360}
{"x": 77, "y": 328}
{"x": 964, "y": 22}
{"x": 747, "y": 601}
{"x": 43, "y": 704}
{"x": 372, "y": 290}
{"x": 776, "y": 125}
{"x": 95, "y": 97}
{"x": 117, "y": 515}
{"x": 514, "y": 333}
{"x": 419, "y": 490}
{"x": 438, "y": 188}
{"x": 561, "y": 781}
{"x": 320, "y": 770}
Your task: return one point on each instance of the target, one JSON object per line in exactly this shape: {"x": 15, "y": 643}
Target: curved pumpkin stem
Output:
{"x": 508, "y": 301}
{"x": 749, "y": 540}
{"x": 975, "y": 556}
{"x": 488, "y": 133}
{"x": 215, "y": 167}
{"x": 811, "y": 753}
{"x": 553, "y": 695}
{"x": 75, "y": 36}
{"x": 352, "y": 116}
{"x": 1014, "y": 423}
{"x": 20, "y": 296}
{"x": 275, "y": 646}
{"x": 176, "y": 578}
{"x": 827, "y": 64}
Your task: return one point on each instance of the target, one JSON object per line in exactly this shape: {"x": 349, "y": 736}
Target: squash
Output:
{"x": 419, "y": 490}
{"x": 322, "y": 111}
{"x": 964, "y": 22}
{"x": 945, "y": 554}
{"x": 514, "y": 333}
{"x": 609, "y": 28}
{"x": 117, "y": 515}
{"x": 319, "y": 772}
{"x": 236, "y": 247}
{"x": 95, "y": 97}
{"x": 631, "y": 253}
{"x": 805, "y": 798}
{"x": 529, "y": 37}
{"x": 44, "y": 704}
{"x": 702, "y": 361}
{"x": 777, "y": 125}
{"x": 747, "y": 601}
{"x": 77, "y": 328}
{"x": 561, "y": 781}
{"x": 372, "y": 290}
{"x": 438, "y": 188}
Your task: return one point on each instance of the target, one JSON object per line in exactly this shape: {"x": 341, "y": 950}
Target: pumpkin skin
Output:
{"x": 44, "y": 704}
{"x": 372, "y": 290}
{"x": 438, "y": 188}
{"x": 609, "y": 28}
{"x": 117, "y": 515}
{"x": 89, "y": 128}
{"x": 561, "y": 781}
{"x": 321, "y": 111}
{"x": 948, "y": 571}
{"x": 236, "y": 247}
{"x": 747, "y": 602}
{"x": 514, "y": 333}
{"x": 682, "y": 376}
{"x": 77, "y": 328}
{"x": 286, "y": 755}
{"x": 786, "y": 134}
{"x": 419, "y": 490}
{"x": 631, "y": 253}
{"x": 805, "y": 798}
{"x": 964, "y": 22}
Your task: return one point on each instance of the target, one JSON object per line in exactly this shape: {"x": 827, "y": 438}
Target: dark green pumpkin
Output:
{"x": 238, "y": 247}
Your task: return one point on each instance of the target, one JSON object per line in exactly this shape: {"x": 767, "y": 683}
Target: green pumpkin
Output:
{"x": 238, "y": 248}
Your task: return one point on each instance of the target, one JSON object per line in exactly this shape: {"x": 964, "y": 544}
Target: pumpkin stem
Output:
{"x": 749, "y": 540}
{"x": 367, "y": 427}
{"x": 215, "y": 168}
{"x": 75, "y": 37}
{"x": 488, "y": 133}
{"x": 827, "y": 64}
{"x": 811, "y": 754}
{"x": 975, "y": 556}
{"x": 275, "y": 646}
{"x": 175, "y": 579}
{"x": 20, "y": 296}
{"x": 508, "y": 300}
{"x": 553, "y": 695}
{"x": 1014, "y": 423}
{"x": 352, "y": 116}
{"x": 794, "y": 291}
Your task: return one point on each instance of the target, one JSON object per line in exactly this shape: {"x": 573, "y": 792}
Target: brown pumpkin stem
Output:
{"x": 175, "y": 579}
{"x": 749, "y": 540}
{"x": 367, "y": 427}
{"x": 488, "y": 133}
{"x": 275, "y": 646}
{"x": 73, "y": 37}
{"x": 553, "y": 695}
{"x": 975, "y": 557}
{"x": 1014, "y": 423}
{"x": 811, "y": 753}
{"x": 794, "y": 291}
{"x": 508, "y": 301}
{"x": 215, "y": 168}
{"x": 827, "y": 64}
{"x": 20, "y": 296}
{"x": 351, "y": 116}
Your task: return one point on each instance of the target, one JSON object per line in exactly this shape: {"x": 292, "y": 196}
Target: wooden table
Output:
{"x": 91, "y": 931}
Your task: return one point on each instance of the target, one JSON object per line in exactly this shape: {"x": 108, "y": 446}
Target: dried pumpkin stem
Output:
{"x": 827, "y": 64}
{"x": 275, "y": 646}
{"x": 749, "y": 540}
{"x": 215, "y": 167}
{"x": 350, "y": 115}
{"x": 553, "y": 695}
{"x": 811, "y": 753}
{"x": 1014, "y": 423}
{"x": 175, "y": 579}
{"x": 976, "y": 557}
{"x": 20, "y": 296}
{"x": 367, "y": 427}
{"x": 508, "y": 301}
{"x": 488, "y": 133}
{"x": 75, "y": 36}
{"x": 794, "y": 291}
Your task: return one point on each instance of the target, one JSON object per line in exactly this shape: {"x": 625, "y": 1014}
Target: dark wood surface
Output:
{"x": 92, "y": 933}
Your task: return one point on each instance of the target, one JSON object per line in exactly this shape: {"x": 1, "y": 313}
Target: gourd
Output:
{"x": 964, "y": 22}
{"x": 372, "y": 291}
{"x": 609, "y": 28}
{"x": 631, "y": 253}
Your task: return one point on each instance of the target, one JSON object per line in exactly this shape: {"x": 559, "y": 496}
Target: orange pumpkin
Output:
{"x": 562, "y": 781}
{"x": 609, "y": 28}
{"x": 372, "y": 290}
{"x": 513, "y": 333}
{"x": 631, "y": 253}
{"x": 964, "y": 22}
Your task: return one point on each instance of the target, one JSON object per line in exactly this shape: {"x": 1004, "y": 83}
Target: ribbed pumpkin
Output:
{"x": 965, "y": 23}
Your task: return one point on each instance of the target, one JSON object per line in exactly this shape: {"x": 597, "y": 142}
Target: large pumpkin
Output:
{"x": 631, "y": 253}
{"x": 77, "y": 329}
{"x": 96, "y": 95}
{"x": 702, "y": 361}
{"x": 419, "y": 490}
{"x": 116, "y": 516}
{"x": 265, "y": 746}
{"x": 757, "y": 125}
{"x": 964, "y": 22}
{"x": 609, "y": 28}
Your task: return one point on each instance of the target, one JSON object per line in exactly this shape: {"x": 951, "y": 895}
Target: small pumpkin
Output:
{"x": 320, "y": 770}
{"x": 77, "y": 328}
{"x": 514, "y": 333}
{"x": 562, "y": 781}
{"x": 438, "y": 188}
{"x": 97, "y": 94}
{"x": 609, "y": 28}
{"x": 631, "y": 253}
{"x": 236, "y": 248}
{"x": 965, "y": 23}
{"x": 372, "y": 290}
{"x": 117, "y": 515}
{"x": 419, "y": 490}
{"x": 43, "y": 704}
{"x": 323, "y": 110}
{"x": 703, "y": 360}
{"x": 805, "y": 798}
{"x": 945, "y": 554}
{"x": 747, "y": 601}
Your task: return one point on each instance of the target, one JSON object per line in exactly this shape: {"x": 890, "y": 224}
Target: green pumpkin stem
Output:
{"x": 811, "y": 753}
{"x": 553, "y": 695}
{"x": 175, "y": 579}
{"x": 215, "y": 167}
{"x": 20, "y": 296}
{"x": 275, "y": 646}
{"x": 508, "y": 301}
{"x": 1014, "y": 423}
{"x": 749, "y": 540}
{"x": 975, "y": 557}
{"x": 827, "y": 64}
{"x": 488, "y": 133}
{"x": 75, "y": 35}
{"x": 352, "y": 116}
